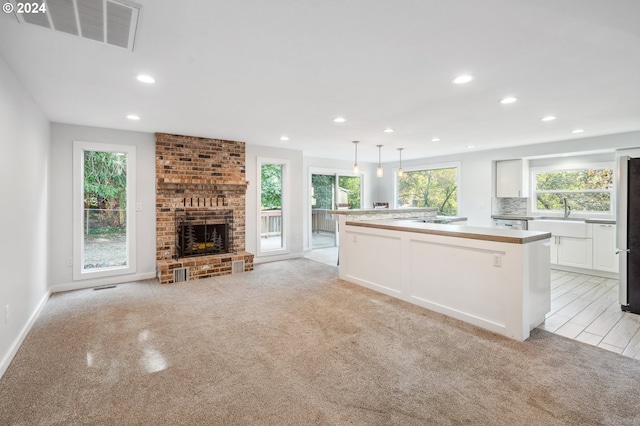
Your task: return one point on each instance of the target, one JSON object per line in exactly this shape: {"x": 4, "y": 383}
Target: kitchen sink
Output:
{"x": 560, "y": 227}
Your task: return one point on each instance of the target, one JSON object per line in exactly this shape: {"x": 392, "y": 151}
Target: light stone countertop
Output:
{"x": 514, "y": 217}
{"x": 602, "y": 221}
{"x": 431, "y": 211}
{"x": 375, "y": 214}
{"x": 587, "y": 220}
{"x": 458, "y": 231}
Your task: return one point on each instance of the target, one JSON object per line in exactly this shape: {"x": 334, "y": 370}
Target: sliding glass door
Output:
{"x": 331, "y": 191}
{"x": 323, "y": 195}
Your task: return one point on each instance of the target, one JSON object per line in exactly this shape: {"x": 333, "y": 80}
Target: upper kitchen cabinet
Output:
{"x": 512, "y": 178}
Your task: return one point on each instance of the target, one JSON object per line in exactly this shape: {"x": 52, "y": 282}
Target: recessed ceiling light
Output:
{"x": 462, "y": 79}
{"x": 133, "y": 117}
{"x": 146, "y": 79}
{"x": 470, "y": 146}
{"x": 549, "y": 118}
{"x": 389, "y": 130}
{"x": 435, "y": 140}
{"x": 577, "y": 131}
{"x": 339, "y": 119}
{"x": 508, "y": 100}
{"x": 284, "y": 138}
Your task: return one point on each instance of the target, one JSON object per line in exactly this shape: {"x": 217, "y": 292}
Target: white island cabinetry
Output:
{"x": 496, "y": 279}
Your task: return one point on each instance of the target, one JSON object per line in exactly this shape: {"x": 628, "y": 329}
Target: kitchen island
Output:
{"x": 497, "y": 279}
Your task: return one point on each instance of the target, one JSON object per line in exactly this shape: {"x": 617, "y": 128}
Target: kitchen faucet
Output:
{"x": 567, "y": 209}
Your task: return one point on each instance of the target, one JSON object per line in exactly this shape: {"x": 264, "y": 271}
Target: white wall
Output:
{"x": 24, "y": 229}
{"x": 477, "y": 168}
{"x": 296, "y": 179}
{"x": 62, "y": 137}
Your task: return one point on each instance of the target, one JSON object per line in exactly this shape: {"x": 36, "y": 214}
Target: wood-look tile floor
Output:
{"x": 586, "y": 308}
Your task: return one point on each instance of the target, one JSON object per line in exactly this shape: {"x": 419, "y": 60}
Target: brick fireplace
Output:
{"x": 200, "y": 208}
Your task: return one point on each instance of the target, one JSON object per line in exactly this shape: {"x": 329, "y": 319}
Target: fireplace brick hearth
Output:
{"x": 199, "y": 176}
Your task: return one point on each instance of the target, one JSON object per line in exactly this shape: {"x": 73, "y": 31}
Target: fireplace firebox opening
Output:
{"x": 203, "y": 232}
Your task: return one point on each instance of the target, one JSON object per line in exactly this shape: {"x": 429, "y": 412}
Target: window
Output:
{"x": 587, "y": 189}
{"x": 104, "y": 219}
{"x": 273, "y": 202}
{"x": 434, "y": 186}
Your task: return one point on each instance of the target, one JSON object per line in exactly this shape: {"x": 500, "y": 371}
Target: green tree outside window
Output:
{"x": 586, "y": 190}
{"x": 430, "y": 188}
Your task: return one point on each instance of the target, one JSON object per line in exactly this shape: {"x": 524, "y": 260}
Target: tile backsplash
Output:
{"x": 509, "y": 206}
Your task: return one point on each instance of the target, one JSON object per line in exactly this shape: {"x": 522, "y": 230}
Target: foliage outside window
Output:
{"x": 430, "y": 188}
{"x": 105, "y": 209}
{"x": 271, "y": 187}
{"x": 324, "y": 193}
{"x": 587, "y": 190}
{"x": 350, "y": 185}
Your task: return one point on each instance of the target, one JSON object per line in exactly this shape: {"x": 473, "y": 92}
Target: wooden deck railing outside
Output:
{"x": 271, "y": 222}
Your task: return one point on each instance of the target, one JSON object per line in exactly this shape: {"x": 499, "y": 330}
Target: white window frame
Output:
{"x": 286, "y": 208}
{"x": 455, "y": 164}
{"x": 79, "y": 273}
{"x": 572, "y": 167}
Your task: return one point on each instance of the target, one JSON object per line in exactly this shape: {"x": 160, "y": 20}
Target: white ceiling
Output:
{"x": 254, "y": 70}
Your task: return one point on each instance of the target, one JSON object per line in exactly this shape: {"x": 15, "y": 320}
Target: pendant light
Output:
{"x": 379, "y": 172}
{"x": 355, "y": 164}
{"x": 400, "y": 171}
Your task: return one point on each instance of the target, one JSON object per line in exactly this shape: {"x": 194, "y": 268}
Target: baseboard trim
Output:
{"x": 6, "y": 361}
{"x": 81, "y": 285}
{"x": 594, "y": 272}
{"x": 267, "y": 259}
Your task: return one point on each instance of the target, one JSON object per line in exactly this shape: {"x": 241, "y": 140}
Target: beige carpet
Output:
{"x": 289, "y": 343}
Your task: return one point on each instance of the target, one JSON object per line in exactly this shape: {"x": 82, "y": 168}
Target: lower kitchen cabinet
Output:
{"x": 604, "y": 248}
{"x": 575, "y": 252}
{"x": 581, "y": 245}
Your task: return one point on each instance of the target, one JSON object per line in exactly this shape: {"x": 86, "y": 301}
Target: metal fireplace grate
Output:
{"x": 203, "y": 231}
{"x": 180, "y": 274}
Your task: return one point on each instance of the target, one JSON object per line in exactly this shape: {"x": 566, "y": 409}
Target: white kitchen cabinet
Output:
{"x": 604, "y": 248}
{"x": 576, "y": 252}
{"x": 512, "y": 178}
{"x": 571, "y": 242}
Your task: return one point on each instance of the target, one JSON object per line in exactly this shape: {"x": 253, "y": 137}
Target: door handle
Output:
{"x": 623, "y": 250}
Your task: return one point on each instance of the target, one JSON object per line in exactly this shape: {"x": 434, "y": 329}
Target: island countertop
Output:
{"x": 405, "y": 212}
{"x": 459, "y": 231}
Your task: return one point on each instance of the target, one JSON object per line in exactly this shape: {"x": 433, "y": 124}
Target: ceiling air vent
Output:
{"x": 106, "y": 21}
